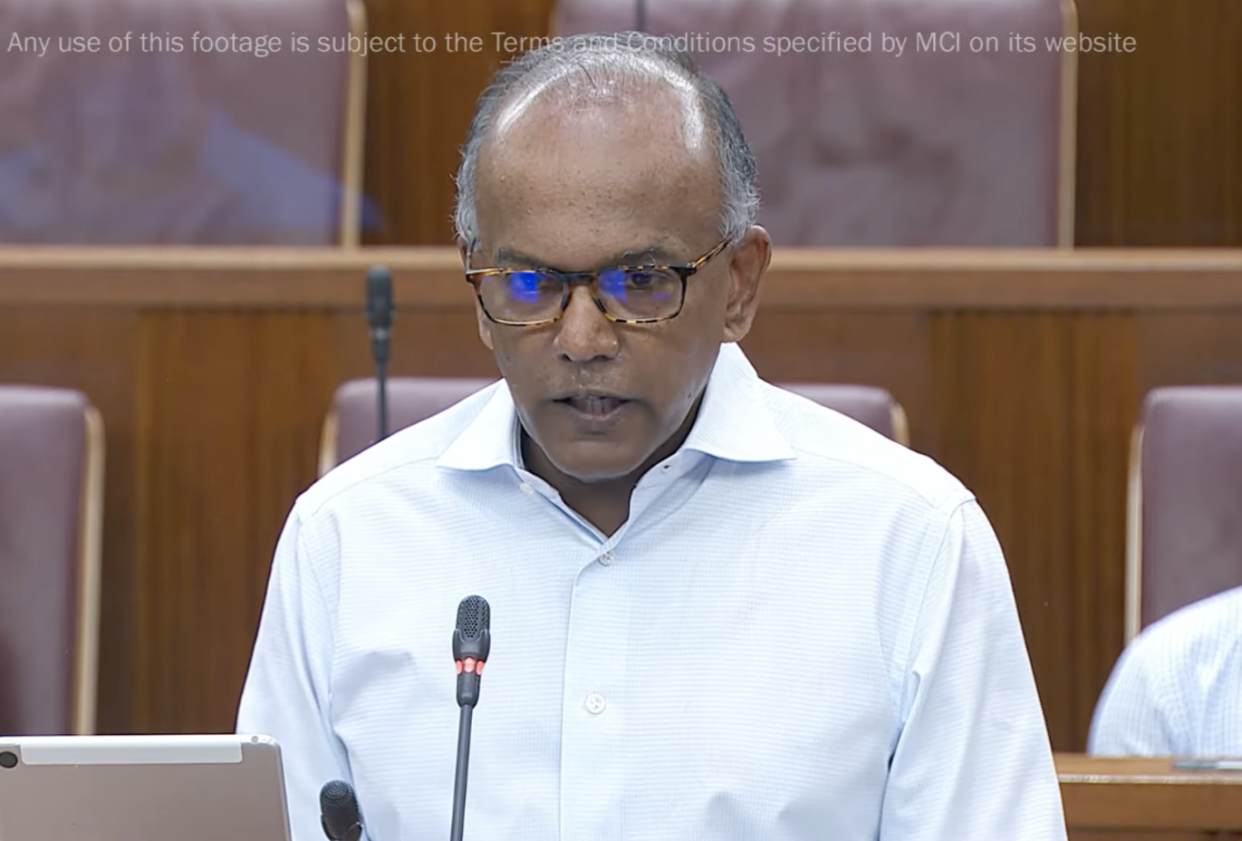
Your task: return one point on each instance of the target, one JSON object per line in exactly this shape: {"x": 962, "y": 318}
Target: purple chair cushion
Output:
{"x": 42, "y": 463}
{"x": 151, "y": 146}
{"x": 1191, "y": 474}
{"x": 872, "y": 149}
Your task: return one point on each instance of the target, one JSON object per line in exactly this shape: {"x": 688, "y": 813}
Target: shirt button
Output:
{"x": 607, "y": 558}
{"x": 526, "y": 488}
{"x": 595, "y": 703}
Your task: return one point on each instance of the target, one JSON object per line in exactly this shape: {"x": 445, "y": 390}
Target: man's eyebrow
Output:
{"x": 650, "y": 254}
{"x": 506, "y": 256}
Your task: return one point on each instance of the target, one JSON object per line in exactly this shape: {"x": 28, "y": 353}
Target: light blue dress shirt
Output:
{"x": 1177, "y": 688}
{"x": 804, "y": 631}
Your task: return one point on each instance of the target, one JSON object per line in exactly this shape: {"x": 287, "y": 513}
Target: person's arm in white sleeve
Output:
{"x": 973, "y": 761}
{"x": 288, "y": 689}
{"x": 1138, "y": 714}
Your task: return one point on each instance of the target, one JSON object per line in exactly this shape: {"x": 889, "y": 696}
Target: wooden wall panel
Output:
{"x": 1102, "y": 406}
{"x": 225, "y": 405}
{"x": 1020, "y": 373}
{"x": 419, "y": 107}
{"x": 437, "y": 342}
{"x": 990, "y": 411}
{"x": 1160, "y": 129}
{"x": 886, "y": 349}
{"x": 1175, "y": 348}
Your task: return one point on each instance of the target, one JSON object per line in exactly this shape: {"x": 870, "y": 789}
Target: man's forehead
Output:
{"x": 658, "y": 252}
{"x": 525, "y": 222}
{"x": 598, "y": 182}
{"x": 613, "y": 146}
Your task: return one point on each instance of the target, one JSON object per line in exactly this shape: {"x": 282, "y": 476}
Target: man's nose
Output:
{"x": 584, "y": 332}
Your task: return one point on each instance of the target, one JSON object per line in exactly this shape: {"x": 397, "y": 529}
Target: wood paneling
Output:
{"x": 223, "y": 402}
{"x": 1159, "y": 152}
{"x": 1102, "y": 404}
{"x": 1029, "y": 403}
{"x": 1045, "y": 279}
{"x": 1020, "y": 373}
{"x": 1160, "y": 130}
{"x": 860, "y": 346}
{"x": 419, "y": 107}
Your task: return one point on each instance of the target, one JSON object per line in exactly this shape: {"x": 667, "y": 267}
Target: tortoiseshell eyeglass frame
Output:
{"x": 474, "y": 276}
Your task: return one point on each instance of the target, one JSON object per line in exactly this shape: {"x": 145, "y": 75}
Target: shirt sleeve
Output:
{"x": 973, "y": 760}
{"x": 287, "y": 694}
{"x": 1137, "y": 714}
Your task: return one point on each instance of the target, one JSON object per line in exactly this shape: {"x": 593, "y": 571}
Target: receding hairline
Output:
{"x": 604, "y": 79}
{"x": 595, "y": 69}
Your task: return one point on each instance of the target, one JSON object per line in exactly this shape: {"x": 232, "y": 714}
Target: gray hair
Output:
{"x": 596, "y": 60}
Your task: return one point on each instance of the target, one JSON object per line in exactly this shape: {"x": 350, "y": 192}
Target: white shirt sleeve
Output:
{"x": 286, "y": 695}
{"x": 1138, "y": 713}
{"x": 973, "y": 761}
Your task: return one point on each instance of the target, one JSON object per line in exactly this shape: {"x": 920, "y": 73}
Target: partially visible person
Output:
{"x": 1177, "y": 688}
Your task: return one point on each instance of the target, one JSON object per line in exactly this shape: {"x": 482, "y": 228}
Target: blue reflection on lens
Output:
{"x": 525, "y": 286}
{"x": 612, "y": 283}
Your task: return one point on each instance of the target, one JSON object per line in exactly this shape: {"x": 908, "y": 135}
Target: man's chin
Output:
{"x": 583, "y": 465}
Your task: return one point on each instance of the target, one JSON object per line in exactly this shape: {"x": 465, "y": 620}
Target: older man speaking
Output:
{"x": 719, "y": 610}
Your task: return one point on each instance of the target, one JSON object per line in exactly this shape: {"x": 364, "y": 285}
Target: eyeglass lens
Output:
{"x": 635, "y": 293}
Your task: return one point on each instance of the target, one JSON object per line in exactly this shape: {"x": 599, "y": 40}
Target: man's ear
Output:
{"x": 485, "y": 324}
{"x": 747, "y": 267}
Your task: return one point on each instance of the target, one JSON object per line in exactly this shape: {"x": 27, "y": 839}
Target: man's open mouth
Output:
{"x": 595, "y": 405}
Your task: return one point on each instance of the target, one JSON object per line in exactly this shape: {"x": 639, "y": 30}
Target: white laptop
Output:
{"x": 141, "y": 788}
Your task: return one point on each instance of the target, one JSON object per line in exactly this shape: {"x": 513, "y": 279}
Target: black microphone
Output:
{"x": 471, "y": 643}
{"x": 338, "y": 812}
{"x": 380, "y": 311}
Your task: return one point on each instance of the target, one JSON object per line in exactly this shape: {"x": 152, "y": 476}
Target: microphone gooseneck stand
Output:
{"x": 471, "y": 643}
{"x": 380, "y": 311}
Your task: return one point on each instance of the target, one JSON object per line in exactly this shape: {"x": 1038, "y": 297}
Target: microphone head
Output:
{"x": 338, "y": 809}
{"x": 473, "y": 637}
{"x": 474, "y": 615}
{"x": 379, "y": 297}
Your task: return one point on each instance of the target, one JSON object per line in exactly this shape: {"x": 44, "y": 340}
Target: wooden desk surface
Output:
{"x": 1147, "y": 795}
{"x": 1077, "y": 768}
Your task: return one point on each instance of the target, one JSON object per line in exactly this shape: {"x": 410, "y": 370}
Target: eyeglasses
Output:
{"x": 624, "y": 294}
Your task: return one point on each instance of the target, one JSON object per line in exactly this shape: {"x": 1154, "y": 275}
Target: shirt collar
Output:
{"x": 733, "y": 423}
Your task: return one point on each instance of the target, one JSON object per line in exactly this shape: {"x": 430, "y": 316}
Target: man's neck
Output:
{"x": 604, "y": 504}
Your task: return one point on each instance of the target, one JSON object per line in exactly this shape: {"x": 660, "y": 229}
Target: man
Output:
{"x": 718, "y": 610}
{"x": 1177, "y": 689}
